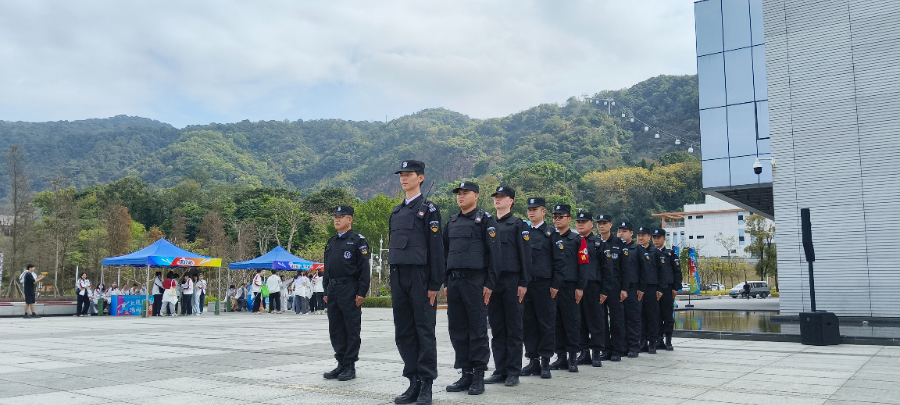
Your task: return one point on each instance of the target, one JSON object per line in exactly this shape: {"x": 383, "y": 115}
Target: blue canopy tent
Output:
{"x": 276, "y": 259}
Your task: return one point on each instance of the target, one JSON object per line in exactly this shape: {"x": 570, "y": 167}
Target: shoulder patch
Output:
{"x": 559, "y": 244}
{"x": 647, "y": 256}
{"x": 492, "y": 232}
{"x": 431, "y": 207}
{"x": 360, "y": 236}
{"x": 526, "y": 236}
{"x": 435, "y": 225}
{"x": 364, "y": 250}
{"x": 625, "y": 251}
{"x": 608, "y": 254}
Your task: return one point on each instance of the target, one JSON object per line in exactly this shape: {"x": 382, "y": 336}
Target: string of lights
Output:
{"x": 658, "y": 131}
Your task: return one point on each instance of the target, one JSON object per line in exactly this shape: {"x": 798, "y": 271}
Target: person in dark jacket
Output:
{"x": 600, "y": 286}
{"x": 346, "y": 283}
{"x": 630, "y": 264}
{"x": 672, "y": 271}
{"x": 575, "y": 278}
{"x": 650, "y": 276}
{"x": 613, "y": 307}
{"x": 30, "y": 278}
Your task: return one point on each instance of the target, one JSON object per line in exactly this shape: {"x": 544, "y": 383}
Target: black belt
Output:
{"x": 455, "y": 274}
{"x": 540, "y": 278}
{"x": 341, "y": 280}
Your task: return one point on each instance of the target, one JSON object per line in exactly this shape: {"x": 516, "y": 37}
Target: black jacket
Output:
{"x": 631, "y": 265}
{"x": 416, "y": 239}
{"x": 669, "y": 263}
{"x": 601, "y": 257}
{"x": 470, "y": 243}
{"x": 515, "y": 251}
{"x": 614, "y": 244}
{"x": 546, "y": 259}
{"x": 569, "y": 245}
{"x": 347, "y": 255}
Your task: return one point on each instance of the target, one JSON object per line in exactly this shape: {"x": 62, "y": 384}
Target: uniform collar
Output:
{"x": 505, "y": 217}
{"x": 410, "y": 201}
{"x": 538, "y": 226}
{"x": 470, "y": 214}
{"x": 342, "y": 235}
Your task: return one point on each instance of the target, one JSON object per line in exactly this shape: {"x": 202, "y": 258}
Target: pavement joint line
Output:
{"x": 848, "y": 379}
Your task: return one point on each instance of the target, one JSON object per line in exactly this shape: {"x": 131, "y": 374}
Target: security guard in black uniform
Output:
{"x": 505, "y": 308}
{"x": 631, "y": 270}
{"x": 417, "y": 271}
{"x": 671, "y": 270}
{"x": 600, "y": 280}
{"x": 473, "y": 264}
{"x": 650, "y": 276}
{"x": 346, "y": 284}
{"x": 539, "y": 316}
{"x": 613, "y": 308}
{"x": 575, "y": 273}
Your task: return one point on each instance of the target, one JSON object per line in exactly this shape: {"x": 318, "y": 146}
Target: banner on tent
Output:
{"x": 185, "y": 262}
{"x": 296, "y": 266}
{"x": 127, "y": 304}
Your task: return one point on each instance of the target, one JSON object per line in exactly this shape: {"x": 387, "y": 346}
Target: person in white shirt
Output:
{"x": 99, "y": 293}
{"x": 202, "y": 297}
{"x": 302, "y": 291}
{"x": 240, "y": 298}
{"x": 284, "y": 293}
{"x": 274, "y": 285}
{"x": 195, "y": 297}
{"x": 187, "y": 294}
{"x": 157, "y": 292}
{"x": 170, "y": 295}
{"x": 256, "y": 288}
{"x": 319, "y": 293}
{"x": 83, "y": 291}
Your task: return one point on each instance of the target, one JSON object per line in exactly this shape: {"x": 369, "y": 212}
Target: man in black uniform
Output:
{"x": 346, "y": 283}
{"x": 631, "y": 264}
{"x": 600, "y": 282}
{"x": 671, "y": 270}
{"x": 539, "y": 316}
{"x": 505, "y": 308}
{"x": 650, "y": 275}
{"x": 417, "y": 270}
{"x": 613, "y": 307}
{"x": 473, "y": 264}
{"x": 568, "y": 313}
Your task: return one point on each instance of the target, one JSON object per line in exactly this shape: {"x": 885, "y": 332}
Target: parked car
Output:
{"x": 758, "y": 289}
{"x": 716, "y": 287}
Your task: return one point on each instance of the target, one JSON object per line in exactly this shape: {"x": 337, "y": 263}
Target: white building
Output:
{"x": 699, "y": 225}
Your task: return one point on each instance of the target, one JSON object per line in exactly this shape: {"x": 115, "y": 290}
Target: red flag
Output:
{"x": 583, "y": 253}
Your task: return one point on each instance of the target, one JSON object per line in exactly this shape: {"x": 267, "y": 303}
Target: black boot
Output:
{"x": 533, "y": 368}
{"x": 644, "y": 347}
{"x": 560, "y": 362}
{"x": 669, "y": 343}
{"x": 607, "y": 355}
{"x": 424, "y": 392}
{"x": 632, "y": 354}
{"x": 651, "y": 348}
{"x": 348, "y": 374}
{"x": 334, "y": 373}
{"x": 463, "y": 383}
{"x": 477, "y": 387}
{"x": 511, "y": 381}
{"x": 584, "y": 357}
{"x": 495, "y": 378}
{"x": 573, "y": 363}
{"x": 411, "y": 393}
{"x": 595, "y": 359}
{"x": 615, "y": 357}
{"x": 659, "y": 344}
{"x": 545, "y": 367}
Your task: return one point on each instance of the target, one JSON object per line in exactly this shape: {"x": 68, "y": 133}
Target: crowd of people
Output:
{"x": 186, "y": 292}
{"x": 279, "y": 293}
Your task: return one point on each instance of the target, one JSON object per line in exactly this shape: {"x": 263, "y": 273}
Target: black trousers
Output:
{"x": 467, "y": 316}
{"x": 568, "y": 320}
{"x": 505, "y": 315}
{"x": 650, "y": 316}
{"x": 615, "y": 334}
{"x": 593, "y": 319}
{"x": 84, "y": 302}
{"x": 666, "y": 314}
{"x": 344, "y": 322}
{"x": 157, "y": 304}
{"x": 414, "y": 320}
{"x": 632, "y": 311}
{"x": 539, "y": 320}
{"x": 274, "y": 301}
{"x": 258, "y": 302}
{"x": 186, "y": 304}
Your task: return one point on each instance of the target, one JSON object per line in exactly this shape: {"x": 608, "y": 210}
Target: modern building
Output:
{"x": 701, "y": 226}
{"x": 825, "y": 98}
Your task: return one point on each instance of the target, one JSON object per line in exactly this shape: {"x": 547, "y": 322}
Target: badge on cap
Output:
{"x": 526, "y": 236}
{"x": 558, "y": 207}
{"x": 492, "y": 232}
{"x": 461, "y": 185}
{"x": 339, "y": 209}
{"x": 532, "y": 201}
{"x": 580, "y": 215}
{"x": 405, "y": 163}
{"x": 347, "y": 254}
{"x": 500, "y": 189}
{"x": 623, "y": 225}
{"x": 434, "y": 226}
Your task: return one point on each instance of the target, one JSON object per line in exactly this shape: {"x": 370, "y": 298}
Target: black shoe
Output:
{"x": 26, "y": 316}
{"x": 545, "y": 367}
{"x": 606, "y": 355}
{"x": 533, "y": 368}
{"x": 34, "y": 315}
{"x": 660, "y": 344}
{"x": 584, "y": 357}
{"x": 632, "y": 354}
{"x": 669, "y": 343}
{"x": 595, "y": 359}
{"x": 644, "y": 347}
{"x": 411, "y": 393}
{"x": 615, "y": 358}
{"x": 560, "y": 362}
{"x": 573, "y": 363}
{"x": 334, "y": 373}
{"x": 495, "y": 379}
{"x": 463, "y": 383}
{"x": 477, "y": 387}
{"x": 651, "y": 348}
{"x": 348, "y": 374}
{"x": 512, "y": 381}
{"x": 424, "y": 397}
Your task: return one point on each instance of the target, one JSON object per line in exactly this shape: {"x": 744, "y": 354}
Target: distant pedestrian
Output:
{"x": 274, "y": 285}
{"x": 747, "y": 289}
{"x": 256, "y": 289}
{"x": 28, "y": 283}
{"x": 170, "y": 295}
{"x": 187, "y": 294}
{"x": 83, "y": 293}
{"x": 319, "y": 292}
{"x": 202, "y": 287}
{"x": 157, "y": 291}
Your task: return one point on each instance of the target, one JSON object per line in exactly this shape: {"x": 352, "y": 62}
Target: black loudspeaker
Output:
{"x": 819, "y": 328}
{"x": 807, "y": 235}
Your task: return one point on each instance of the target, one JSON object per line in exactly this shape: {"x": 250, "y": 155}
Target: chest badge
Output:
{"x": 364, "y": 250}
{"x": 559, "y": 244}
{"x": 421, "y": 214}
{"x": 434, "y": 226}
{"x": 526, "y": 236}
{"x": 608, "y": 254}
{"x": 625, "y": 252}
{"x": 492, "y": 232}
{"x": 347, "y": 254}
{"x": 647, "y": 256}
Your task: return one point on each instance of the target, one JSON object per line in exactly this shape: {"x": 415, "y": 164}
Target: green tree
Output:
{"x": 762, "y": 234}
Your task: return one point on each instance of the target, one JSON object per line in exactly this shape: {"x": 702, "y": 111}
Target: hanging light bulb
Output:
{"x": 656, "y": 136}
{"x": 605, "y": 102}
{"x": 632, "y": 119}
{"x": 613, "y": 103}
{"x": 623, "y": 115}
{"x": 646, "y": 128}
{"x": 678, "y": 141}
{"x": 691, "y": 149}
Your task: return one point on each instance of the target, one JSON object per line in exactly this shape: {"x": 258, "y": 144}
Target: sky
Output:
{"x": 198, "y": 62}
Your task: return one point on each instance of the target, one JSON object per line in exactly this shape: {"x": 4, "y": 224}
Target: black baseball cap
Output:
{"x": 625, "y": 225}
{"x": 659, "y": 232}
{"x": 343, "y": 210}
{"x": 604, "y": 218}
{"x": 645, "y": 230}
{"x": 507, "y": 191}
{"x": 411, "y": 166}
{"x": 535, "y": 202}
{"x": 466, "y": 185}
{"x": 584, "y": 216}
{"x": 562, "y": 209}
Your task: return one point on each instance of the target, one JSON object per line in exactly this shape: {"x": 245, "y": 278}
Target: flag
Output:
{"x": 692, "y": 268}
{"x": 583, "y": 253}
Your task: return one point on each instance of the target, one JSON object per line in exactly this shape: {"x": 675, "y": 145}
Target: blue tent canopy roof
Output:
{"x": 276, "y": 259}
{"x": 162, "y": 253}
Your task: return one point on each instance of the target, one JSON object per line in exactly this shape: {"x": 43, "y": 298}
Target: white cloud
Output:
{"x": 197, "y": 62}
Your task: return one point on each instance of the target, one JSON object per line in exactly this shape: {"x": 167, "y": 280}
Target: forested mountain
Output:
{"x": 361, "y": 156}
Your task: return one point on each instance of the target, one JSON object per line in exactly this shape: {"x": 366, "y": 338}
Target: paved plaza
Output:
{"x": 279, "y": 359}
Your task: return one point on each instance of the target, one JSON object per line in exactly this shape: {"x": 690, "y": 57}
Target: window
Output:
{"x": 741, "y": 218}
{"x": 691, "y": 237}
{"x": 741, "y": 236}
{"x": 690, "y": 217}
{"x": 733, "y": 251}
{"x": 699, "y": 236}
{"x": 699, "y": 216}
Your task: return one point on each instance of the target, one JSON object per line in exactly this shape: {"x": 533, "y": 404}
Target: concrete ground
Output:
{"x": 278, "y": 359}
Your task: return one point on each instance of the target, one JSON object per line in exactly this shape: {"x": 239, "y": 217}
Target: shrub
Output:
{"x": 715, "y": 293}
{"x": 377, "y": 302}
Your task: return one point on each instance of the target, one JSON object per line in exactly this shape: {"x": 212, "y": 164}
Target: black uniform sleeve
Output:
{"x": 362, "y": 265}
{"x": 327, "y": 264}
{"x": 493, "y": 252}
{"x": 609, "y": 280}
{"x": 524, "y": 254}
{"x": 676, "y": 272}
{"x": 445, "y": 239}
{"x": 584, "y": 269}
{"x": 559, "y": 262}
{"x": 437, "y": 254}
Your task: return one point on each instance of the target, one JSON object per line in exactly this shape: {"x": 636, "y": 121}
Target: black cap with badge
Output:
{"x": 411, "y": 166}
{"x": 659, "y": 232}
{"x": 535, "y": 202}
{"x": 604, "y": 218}
{"x": 507, "y": 191}
{"x": 584, "y": 216}
{"x": 644, "y": 230}
{"x": 625, "y": 225}
{"x": 466, "y": 185}
{"x": 343, "y": 210}
{"x": 562, "y": 209}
